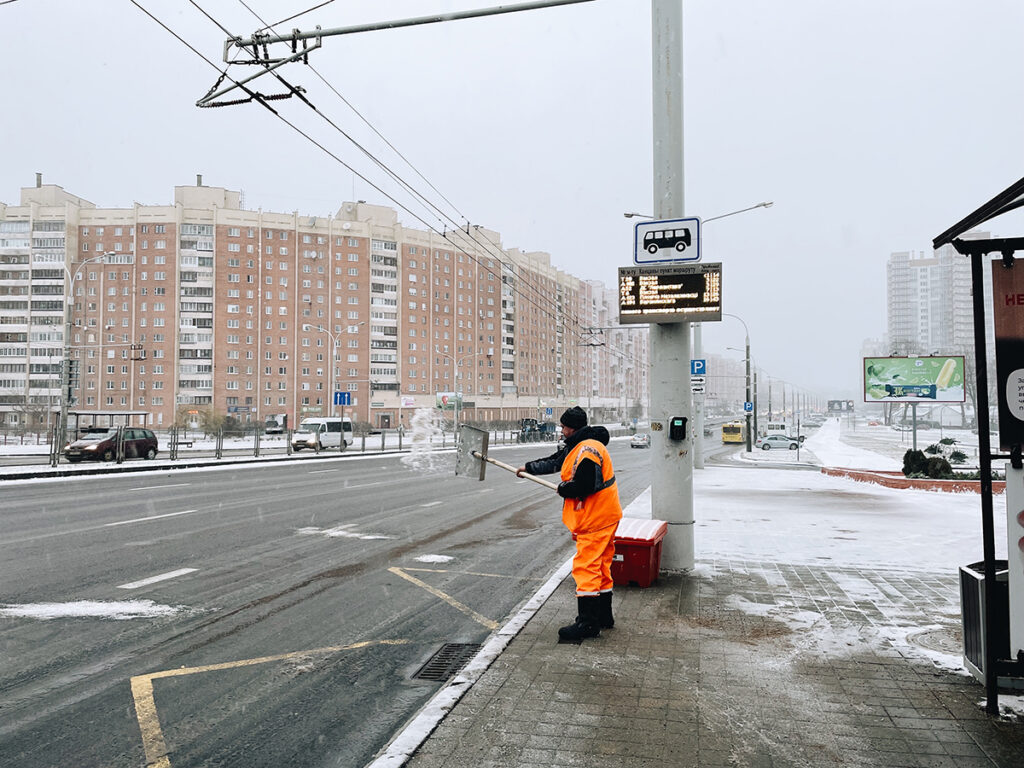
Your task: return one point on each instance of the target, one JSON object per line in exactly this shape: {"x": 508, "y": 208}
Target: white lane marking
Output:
{"x": 155, "y": 579}
{"x": 151, "y": 487}
{"x": 321, "y": 471}
{"x": 432, "y": 504}
{"x": 152, "y": 517}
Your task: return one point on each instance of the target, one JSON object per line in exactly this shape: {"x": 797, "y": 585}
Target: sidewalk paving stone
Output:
{"x": 738, "y": 664}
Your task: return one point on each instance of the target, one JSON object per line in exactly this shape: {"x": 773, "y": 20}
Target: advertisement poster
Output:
{"x": 446, "y": 401}
{"x": 1008, "y": 314}
{"x": 938, "y": 379}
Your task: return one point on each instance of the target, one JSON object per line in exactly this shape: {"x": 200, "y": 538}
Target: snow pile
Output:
{"x": 129, "y": 609}
{"x": 340, "y": 532}
{"x": 433, "y": 559}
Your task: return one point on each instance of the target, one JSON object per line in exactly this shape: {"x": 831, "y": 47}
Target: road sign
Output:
{"x": 343, "y": 398}
{"x": 698, "y": 367}
{"x": 748, "y": 406}
{"x": 697, "y": 389}
{"x": 667, "y": 241}
{"x": 698, "y": 379}
{"x": 549, "y": 411}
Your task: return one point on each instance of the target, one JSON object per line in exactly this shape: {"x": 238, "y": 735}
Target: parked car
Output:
{"x": 102, "y": 446}
{"x": 640, "y": 440}
{"x": 327, "y": 432}
{"x": 777, "y": 441}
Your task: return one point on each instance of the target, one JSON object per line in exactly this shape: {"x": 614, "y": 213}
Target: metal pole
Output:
{"x": 913, "y": 421}
{"x": 985, "y": 463}
{"x": 698, "y": 403}
{"x": 671, "y": 461}
{"x": 749, "y": 400}
{"x": 755, "y": 400}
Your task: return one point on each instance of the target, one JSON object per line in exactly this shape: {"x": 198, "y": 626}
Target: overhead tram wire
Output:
{"x": 498, "y": 253}
{"x": 293, "y": 16}
{"x": 262, "y": 100}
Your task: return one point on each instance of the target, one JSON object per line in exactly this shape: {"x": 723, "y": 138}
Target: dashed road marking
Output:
{"x": 151, "y": 517}
{"x": 157, "y": 578}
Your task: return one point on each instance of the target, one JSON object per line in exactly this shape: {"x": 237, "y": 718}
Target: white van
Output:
{"x": 323, "y": 433}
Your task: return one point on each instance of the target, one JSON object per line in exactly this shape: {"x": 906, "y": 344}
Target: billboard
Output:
{"x": 840, "y": 406}
{"x": 1008, "y": 317}
{"x": 938, "y": 379}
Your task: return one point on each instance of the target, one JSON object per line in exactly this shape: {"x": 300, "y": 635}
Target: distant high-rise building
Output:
{"x": 930, "y": 306}
{"x": 929, "y": 301}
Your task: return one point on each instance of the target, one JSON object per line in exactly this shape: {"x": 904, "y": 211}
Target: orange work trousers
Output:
{"x": 592, "y": 565}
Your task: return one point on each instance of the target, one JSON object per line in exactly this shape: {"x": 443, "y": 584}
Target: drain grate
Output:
{"x": 448, "y": 661}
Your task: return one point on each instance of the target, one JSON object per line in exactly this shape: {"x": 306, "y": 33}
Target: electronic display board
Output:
{"x": 675, "y": 293}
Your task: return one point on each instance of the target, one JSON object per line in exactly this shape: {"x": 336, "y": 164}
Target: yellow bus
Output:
{"x": 734, "y": 432}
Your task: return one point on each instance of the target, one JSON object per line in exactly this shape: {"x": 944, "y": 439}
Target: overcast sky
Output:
{"x": 873, "y": 126}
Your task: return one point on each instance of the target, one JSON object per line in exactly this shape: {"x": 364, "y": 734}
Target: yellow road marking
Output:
{"x": 480, "y": 619}
{"x": 473, "y": 573}
{"x": 145, "y": 705}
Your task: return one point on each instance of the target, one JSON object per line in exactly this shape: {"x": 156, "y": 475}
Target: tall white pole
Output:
{"x": 698, "y": 403}
{"x": 671, "y": 460}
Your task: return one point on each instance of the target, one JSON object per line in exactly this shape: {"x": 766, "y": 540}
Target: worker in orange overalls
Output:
{"x": 591, "y": 511}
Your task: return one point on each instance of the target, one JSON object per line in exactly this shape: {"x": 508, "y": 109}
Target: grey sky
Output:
{"x": 856, "y": 119}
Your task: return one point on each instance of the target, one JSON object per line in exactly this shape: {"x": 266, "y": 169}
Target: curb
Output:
{"x": 899, "y": 480}
{"x": 409, "y": 739}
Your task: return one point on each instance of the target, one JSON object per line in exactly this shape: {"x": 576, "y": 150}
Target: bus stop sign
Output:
{"x": 668, "y": 241}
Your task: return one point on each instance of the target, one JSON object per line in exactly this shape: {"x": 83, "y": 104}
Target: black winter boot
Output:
{"x": 587, "y": 623}
{"x": 605, "y": 620}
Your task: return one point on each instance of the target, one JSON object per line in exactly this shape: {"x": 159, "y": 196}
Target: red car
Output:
{"x": 102, "y": 446}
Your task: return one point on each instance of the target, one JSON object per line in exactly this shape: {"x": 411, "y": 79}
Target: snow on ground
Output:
{"x": 831, "y": 451}
{"x": 131, "y": 609}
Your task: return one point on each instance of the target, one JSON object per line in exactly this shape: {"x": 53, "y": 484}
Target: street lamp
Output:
{"x": 65, "y": 376}
{"x": 766, "y": 204}
{"x": 747, "y": 352}
{"x": 334, "y": 352}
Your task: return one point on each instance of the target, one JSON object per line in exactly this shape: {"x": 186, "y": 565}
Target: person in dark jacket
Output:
{"x": 591, "y": 511}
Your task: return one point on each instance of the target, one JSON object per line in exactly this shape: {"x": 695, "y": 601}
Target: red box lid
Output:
{"x": 632, "y": 529}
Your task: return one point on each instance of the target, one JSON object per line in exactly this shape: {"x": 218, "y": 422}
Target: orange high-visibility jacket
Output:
{"x": 599, "y": 509}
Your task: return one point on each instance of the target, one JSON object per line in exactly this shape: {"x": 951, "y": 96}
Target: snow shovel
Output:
{"x": 471, "y": 459}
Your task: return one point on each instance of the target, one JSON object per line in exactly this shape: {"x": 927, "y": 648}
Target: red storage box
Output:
{"x": 638, "y": 551}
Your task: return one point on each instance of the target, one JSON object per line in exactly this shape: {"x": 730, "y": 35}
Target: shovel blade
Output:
{"x": 471, "y": 440}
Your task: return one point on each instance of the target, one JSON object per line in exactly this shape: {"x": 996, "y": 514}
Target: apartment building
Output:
{"x": 929, "y": 302}
{"x": 205, "y": 306}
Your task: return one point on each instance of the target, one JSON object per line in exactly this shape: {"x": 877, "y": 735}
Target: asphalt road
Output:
{"x": 298, "y": 610}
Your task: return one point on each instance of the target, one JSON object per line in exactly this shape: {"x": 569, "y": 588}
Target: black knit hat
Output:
{"x": 574, "y": 418}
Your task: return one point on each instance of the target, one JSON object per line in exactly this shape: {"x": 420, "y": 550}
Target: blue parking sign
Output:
{"x": 698, "y": 367}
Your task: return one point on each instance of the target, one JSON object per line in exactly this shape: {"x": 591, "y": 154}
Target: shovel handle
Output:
{"x": 513, "y": 470}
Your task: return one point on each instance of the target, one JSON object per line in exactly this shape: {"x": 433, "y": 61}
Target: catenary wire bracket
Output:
{"x": 256, "y": 50}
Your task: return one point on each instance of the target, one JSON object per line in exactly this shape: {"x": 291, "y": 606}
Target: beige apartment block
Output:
{"x": 204, "y": 307}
